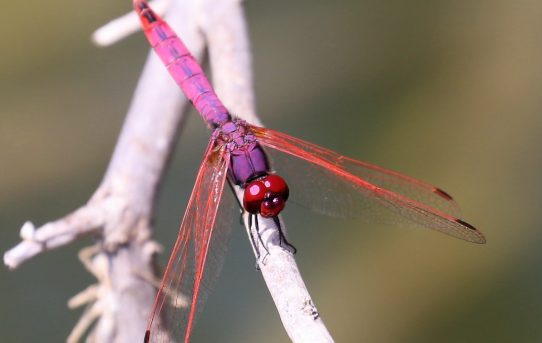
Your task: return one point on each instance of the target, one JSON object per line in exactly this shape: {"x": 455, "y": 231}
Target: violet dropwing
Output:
{"x": 340, "y": 186}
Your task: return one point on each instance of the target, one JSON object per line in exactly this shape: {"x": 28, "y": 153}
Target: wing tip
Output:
{"x": 479, "y": 239}
{"x": 147, "y": 336}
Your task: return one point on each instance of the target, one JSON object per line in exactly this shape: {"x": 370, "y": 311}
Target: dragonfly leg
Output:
{"x": 241, "y": 221}
{"x": 251, "y": 217}
{"x": 252, "y": 240}
{"x": 259, "y": 258}
{"x": 283, "y": 242}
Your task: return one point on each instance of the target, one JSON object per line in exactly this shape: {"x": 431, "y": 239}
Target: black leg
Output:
{"x": 282, "y": 238}
{"x": 260, "y": 237}
{"x": 252, "y": 240}
{"x": 242, "y": 222}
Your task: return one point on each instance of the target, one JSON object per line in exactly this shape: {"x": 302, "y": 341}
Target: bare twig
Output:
{"x": 232, "y": 76}
{"x": 121, "y": 210}
{"x": 123, "y": 26}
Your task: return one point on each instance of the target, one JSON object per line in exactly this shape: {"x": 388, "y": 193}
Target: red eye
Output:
{"x": 276, "y": 185}
{"x": 266, "y": 196}
{"x": 272, "y": 207}
{"x": 254, "y": 196}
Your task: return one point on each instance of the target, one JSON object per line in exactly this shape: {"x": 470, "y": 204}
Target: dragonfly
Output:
{"x": 323, "y": 180}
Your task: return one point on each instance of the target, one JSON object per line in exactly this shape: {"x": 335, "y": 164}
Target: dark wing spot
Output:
{"x": 442, "y": 193}
{"x": 147, "y": 336}
{"x": 465, "y": 224}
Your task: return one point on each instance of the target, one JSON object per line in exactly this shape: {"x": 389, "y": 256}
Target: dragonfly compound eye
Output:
{"x": 276, "y": 185}
{"x": 271, "y": 207}
{"x": 266, "y": 196}
{"x": 275, "y": 197}
{"x": 254, "y": 196}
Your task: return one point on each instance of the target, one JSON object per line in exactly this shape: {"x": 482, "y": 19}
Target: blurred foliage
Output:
{"x": 448, "y": 92}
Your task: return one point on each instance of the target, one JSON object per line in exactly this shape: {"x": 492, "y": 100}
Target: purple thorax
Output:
{"x": 248, "y": 160}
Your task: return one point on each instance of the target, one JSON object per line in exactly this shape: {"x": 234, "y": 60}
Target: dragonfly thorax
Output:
{"x": 235, "y": 135}
{"x": 247, "y": 159}
{"x": 266, "y": 195}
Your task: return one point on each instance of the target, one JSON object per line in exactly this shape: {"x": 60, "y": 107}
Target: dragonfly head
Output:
{"x": 266, "y": 196}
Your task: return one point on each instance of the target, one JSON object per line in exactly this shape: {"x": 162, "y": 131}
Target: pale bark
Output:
{"x": 121, "y": 210}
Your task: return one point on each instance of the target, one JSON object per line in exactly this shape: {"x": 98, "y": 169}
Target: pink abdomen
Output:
{"x": 185, "y": 70}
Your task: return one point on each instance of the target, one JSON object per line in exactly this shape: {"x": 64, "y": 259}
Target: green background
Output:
{"x": 446, "y": 91}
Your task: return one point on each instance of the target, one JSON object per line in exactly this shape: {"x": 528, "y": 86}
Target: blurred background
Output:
{"x": 448, "y": 92}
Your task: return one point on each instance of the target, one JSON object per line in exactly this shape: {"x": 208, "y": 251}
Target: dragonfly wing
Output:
{"x": 337, "y": 185}
{"x": 197, "y": 255}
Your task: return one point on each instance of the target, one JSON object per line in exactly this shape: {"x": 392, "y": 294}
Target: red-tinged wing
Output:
{"x": 198, "y": 253}
{"x": 337, "y": 185}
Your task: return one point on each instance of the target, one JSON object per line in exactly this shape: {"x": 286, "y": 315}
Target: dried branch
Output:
{"x": 121, "y": 27}
{"x": 230, "y": 60}
{"x": 121, "y": 210}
